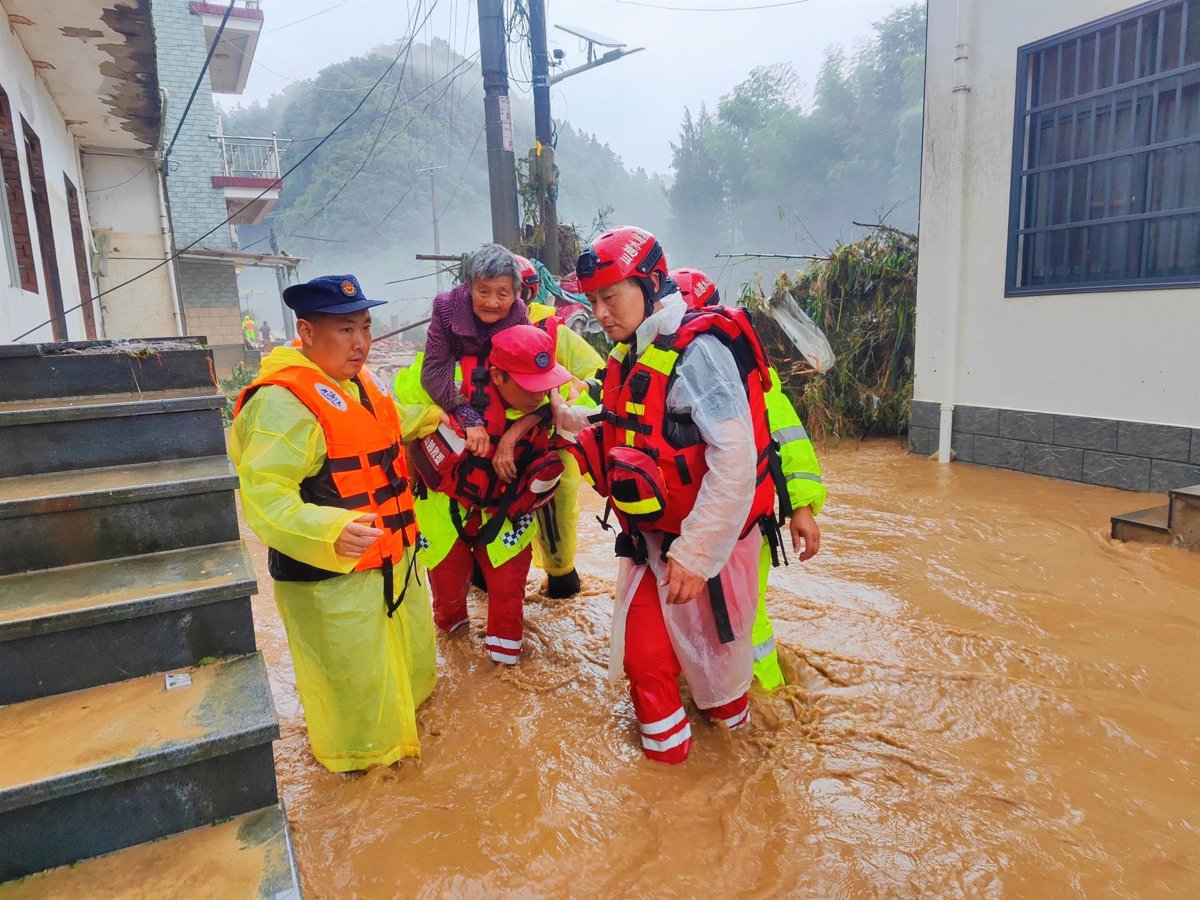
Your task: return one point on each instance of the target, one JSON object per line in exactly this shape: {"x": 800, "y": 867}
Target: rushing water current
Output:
{"x": 989, "y": 698}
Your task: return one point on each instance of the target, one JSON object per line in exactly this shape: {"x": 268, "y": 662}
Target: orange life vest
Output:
{"x": 364, "y": 469}
{"x": 636, "y": 416}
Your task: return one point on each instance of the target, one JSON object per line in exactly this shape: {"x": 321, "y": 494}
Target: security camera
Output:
{"x": 558, "y": 55}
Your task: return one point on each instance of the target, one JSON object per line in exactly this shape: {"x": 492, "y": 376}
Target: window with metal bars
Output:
{"x": 1106, "y": 155}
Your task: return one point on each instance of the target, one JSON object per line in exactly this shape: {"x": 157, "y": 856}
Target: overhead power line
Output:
{"x": 306, "y": 18}
{"x": 463, "y": 67}
{"x": 766, "y": 256}
{"x": 419, "y": 277}
{"x": 212, "y": 48}
{"x": 113, "y": 187}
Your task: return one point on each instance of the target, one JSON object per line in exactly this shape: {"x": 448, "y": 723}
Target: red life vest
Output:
{"x": 477, "y": 484}
{"x": 364, "y": 469}
{"x": 442, "y": 464}
{"x": 636, "y": 417}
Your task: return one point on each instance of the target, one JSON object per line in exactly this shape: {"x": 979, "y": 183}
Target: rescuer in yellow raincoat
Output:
{"x": 316, "y": 443}
{"x": 555, "y": 542}
{"x": 248, "y": 331}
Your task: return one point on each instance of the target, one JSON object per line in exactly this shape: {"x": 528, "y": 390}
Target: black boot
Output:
{"x": 477, "y": 577}
{"x": 559, "y": 587}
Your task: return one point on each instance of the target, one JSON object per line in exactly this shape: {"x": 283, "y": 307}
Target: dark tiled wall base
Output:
{"x": 1136, "y": 456}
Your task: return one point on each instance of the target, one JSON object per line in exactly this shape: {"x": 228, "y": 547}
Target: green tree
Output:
{"x": 360, "y": 200}
{"x": 766, "y": 172}
{"x": 699, "y": 214}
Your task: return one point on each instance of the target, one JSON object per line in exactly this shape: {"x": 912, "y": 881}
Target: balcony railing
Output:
{"x": 251, "y": 157}
{"x": 217, "y": 7}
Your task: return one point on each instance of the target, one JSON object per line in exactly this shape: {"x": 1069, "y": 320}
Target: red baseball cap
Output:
{"x": 527, "y": 354}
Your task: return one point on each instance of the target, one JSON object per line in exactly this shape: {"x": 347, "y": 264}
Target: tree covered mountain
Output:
{"x": 773, "y": 168}
{"x": 362, "y": 197}
{"x": 770, "y": 171}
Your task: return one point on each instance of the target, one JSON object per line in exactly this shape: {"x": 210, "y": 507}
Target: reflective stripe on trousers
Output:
{"x": 765, "y": 649}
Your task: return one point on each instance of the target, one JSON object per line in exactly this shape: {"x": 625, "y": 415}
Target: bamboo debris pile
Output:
{"x": 864, "y": 298}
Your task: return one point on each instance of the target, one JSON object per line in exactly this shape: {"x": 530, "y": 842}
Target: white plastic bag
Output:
{"x": 803, "y": 333}
{"x": 716, "y": 673}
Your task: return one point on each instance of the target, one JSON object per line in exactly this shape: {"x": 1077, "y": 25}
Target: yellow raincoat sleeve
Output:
{"x": 419, "y": 415}
{"x": 576, "y": 355}
{"x": 800, "y": 466}
{"x": 275, "y": 443}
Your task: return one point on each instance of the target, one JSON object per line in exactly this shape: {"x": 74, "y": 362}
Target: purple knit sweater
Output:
{"x": 455, "y": 332}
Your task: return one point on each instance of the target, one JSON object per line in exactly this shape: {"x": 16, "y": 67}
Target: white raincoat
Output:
{"x": 709, "y": 387}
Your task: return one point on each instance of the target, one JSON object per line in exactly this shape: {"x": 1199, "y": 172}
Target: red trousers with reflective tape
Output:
{"x": 653, "y": 670}
{"x": 450, "y": 581}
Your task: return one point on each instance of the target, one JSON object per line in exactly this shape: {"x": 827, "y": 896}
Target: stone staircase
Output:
{"x": 1176, "y": 524}
{"x": 133, "y": 705}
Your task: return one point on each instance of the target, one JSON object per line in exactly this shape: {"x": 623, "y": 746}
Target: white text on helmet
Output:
{"x": 630, "y": 251}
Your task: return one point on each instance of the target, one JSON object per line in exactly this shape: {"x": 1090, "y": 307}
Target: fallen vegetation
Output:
{"x": 863, "y": 296}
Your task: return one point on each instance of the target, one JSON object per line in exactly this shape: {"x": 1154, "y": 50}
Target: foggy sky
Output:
{"x": 635, "y": 104}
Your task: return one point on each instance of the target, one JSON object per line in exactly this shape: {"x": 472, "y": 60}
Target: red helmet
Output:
{"x": 697, "y": 288}
{"x": 625, "y": 252}
{"x": 530, "y": 279}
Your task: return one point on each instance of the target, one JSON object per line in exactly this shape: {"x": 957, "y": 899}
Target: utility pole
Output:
{"x": 541, "y": 157}
{"x": 497, "y": 115}
{"x": 437, "y": 240}
{"x": 541, "y": 161}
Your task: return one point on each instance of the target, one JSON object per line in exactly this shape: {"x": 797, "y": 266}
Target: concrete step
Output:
{"x": 79, "y": 626}
{"x": 93, "y": 771}
{"x": 1149, "y": 526}
{"x": 33, "y": 371}
{"x": 248, "y": 856}
{"x": 88, "y": 515}
{"x": 104, "y": 430}
{"x": 1185, "y": 516}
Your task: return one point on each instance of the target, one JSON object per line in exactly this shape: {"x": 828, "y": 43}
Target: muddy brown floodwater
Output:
{"x": 990, "y": 698}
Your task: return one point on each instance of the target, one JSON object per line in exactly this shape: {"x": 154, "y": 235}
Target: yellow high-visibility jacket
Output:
{"x": 579, "y": 358}
{"x": 805, "y": 488}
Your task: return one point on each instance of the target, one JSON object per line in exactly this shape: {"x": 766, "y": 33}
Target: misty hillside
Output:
{"x": 775, "y": 167}
{"x": 773, "y": 170}
{"x": 360, "y": 199}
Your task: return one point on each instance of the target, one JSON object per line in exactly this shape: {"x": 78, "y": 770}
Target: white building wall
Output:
{"x": 127, "y": 227}
{"x": 1126, "y": 355}
{"x": 21, "y": 310}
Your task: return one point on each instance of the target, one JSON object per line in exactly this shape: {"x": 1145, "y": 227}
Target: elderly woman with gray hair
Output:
{"x": 464, "y": 320}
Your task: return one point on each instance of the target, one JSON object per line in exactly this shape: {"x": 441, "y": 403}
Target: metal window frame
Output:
{"x": 1018, "y": 173}
{"x": 8, "y": 237}
{"x": 6, "y": 226}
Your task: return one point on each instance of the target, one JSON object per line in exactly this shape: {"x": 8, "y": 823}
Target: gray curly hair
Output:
{"x": 492, "y": 261}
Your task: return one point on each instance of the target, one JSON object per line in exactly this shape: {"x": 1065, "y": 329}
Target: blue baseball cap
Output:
{"x": 329, "y": 295}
